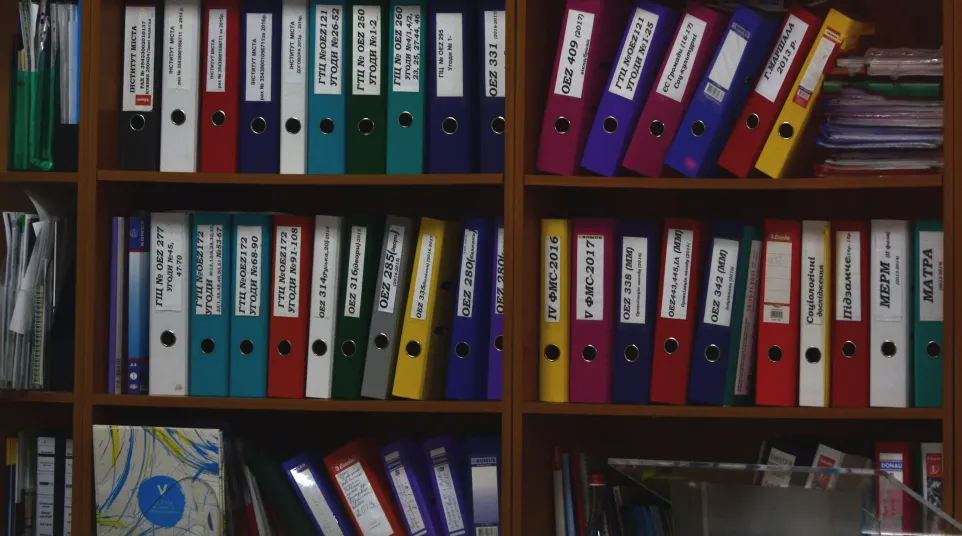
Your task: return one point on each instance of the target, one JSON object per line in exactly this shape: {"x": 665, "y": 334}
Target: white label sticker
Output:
{"x": 327, "y": 49}
{"x": 407, "y": 500}
{"x": 259, "y": 49}
{"x": 848, "y": 276}
{"x": 634, "y": 54}
{"x": 355, "y": 273}
{"x": 746, "y": 341}
{"x": 139, "y": 58}
{"x": 590, "y": 285}
{"x": 888, "y": 275}
{"x": 634, "y": 279}
{"x": 422, "y": 282}
{"x": 726, "y": 63}
{"x": 495, "y": 53}
{"x": 816, "y": 68}
{"x": 391, "y": 274}
{"x": 247, "y": 277}
{"x": 813, "y": 275}
{"x": 782, "y": 58}
{"x": 169, "y": 268}
{"x": 469, "y": 271}
{"x": 573, "y": 64}
{"x": 931, "y": 276}
{"x": 217, "y": 51}
{"x": 499, "y": 276}
{"x": 449, "y": 55}
{"x": 362, "y": 501}
{"x": 777, "y": 293}
{"x": 366, "y": 43}
{"x": 315, "y": 500}
{"x": 677, "y": 277}
{"x": 720, "y": 294}
{"x": 325, "y": 270}
{"x": 295, "y": 46}
{"x": 209, "y": 277}
{"x": 287, "y": 259}
{"x": 449, "y": 499}
{"x": 182, "y": 42}
{"x": 552, "y": 277}
{"x": 407, "y": 49}
{"x": 778, "y": 479}
{"x": 677, "y": 73}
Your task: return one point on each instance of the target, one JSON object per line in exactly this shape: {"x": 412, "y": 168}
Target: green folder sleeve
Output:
{"x": 922, "y": 90}
{"x": 360, "y": 256}
{"x": 33, "y": 120}
{"x": 929, "y": 280}
{"x": 735, "y": 349}
{"x": 367, "y": 87}
{"x": 276, "y": 489}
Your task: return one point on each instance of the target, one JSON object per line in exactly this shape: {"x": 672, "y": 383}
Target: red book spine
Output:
{"x": 850, "y": 329}
{"x": 778, "y": 325}
{"x": 219, "y": 87}
{"x": 896, "y": 509}
{"x": 677, "y": 308}
{"x": 355, "y": 464}
{"x": 287, "y": 361}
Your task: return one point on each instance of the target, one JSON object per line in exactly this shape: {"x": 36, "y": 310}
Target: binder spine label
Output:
{"x": 407, "y": 49}
{"x": 405, "y": 494}
{"x": 169, "y": 264}
{"x": 138, "y": 94}
{"x": 469, "y": 261}
{"x": 720, "y": 294}
{"x": 499, "y": 281}
{"x": 360, "y": 498}
{"x": 777, "y": 294}
{"x": 495, "y": 53}
{"x": 294, "y": 46}
{"x": 182, "y": 44}
{"x": 259, "y": 49}
{"x": 46, "y": 488}
{"x": 367, "y": 50}
{"x": 677, "y": 72}
{"x": 355, "y": 275}
{"x": 422, "y": 283}
{"x": 573, "y": 63}
{"x": 726, "y": 63}
{"x": 813, "y": 279}
{"x": 450, "y": 507}
{"x": 449, "y": 41}
{"x": 888, "y": 274}
{"x": 931, "y": 276}
{"x": 634, "y": 53}
{"x": 746, "y": 341}
{"x": 590, "y": 279}
{"x": 782, "y": 58}
{"x": 777, "y": 479}
{"x": 327, "y": 244}
{"x": 552, "y": 279}
{"x": 247, "y": 279}
{"x": 484, "y": 495}
{"x": 824, "y": 50}
{"x": 327, "y": 45}
{"x": 390, "y": 277}
{"x": 216, "y": 51}
{"x": 848, "y": 279}
{"x": 677, "y": 276}
{"x": 287, "y": 264}
{"x": 316, "y": 503}
{"x": 209, "y": 279}
{"x": 634, "y": 277}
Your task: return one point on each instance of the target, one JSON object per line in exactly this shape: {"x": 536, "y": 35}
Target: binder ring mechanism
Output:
{"x": 319, "y": 347}
{"x": 218, "y": 118}
{"x": 589, "y": 353}
{"x": 348, "y": 348}
{"x": 848, "y": 349}
{"x": 889, "y": 349}
{"x": 168, "y": 339}
{"x": 413, "y": 348}
{"x": 774, "y": 353}
{"x": 381, "y": 341}
{"x": 462, "y": 350}
{"x": 284, "y": 347}
{"x": 207, "y": 346}
{"x": 247, "y": 347}
{"x": 552, "y": 353}
{"x": 137, "y": 122}
{"x": 813, "y": 355}
{"x": 933, "y": 349}
{"x": 178, "y": 117}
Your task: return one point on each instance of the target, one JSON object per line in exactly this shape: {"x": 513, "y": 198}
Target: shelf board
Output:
{"x": 714, "y": 412}
{"x": 283, "y": 404}
{"x": 822, "y": 183}
{"x": 329, "y": 180}
{"x": 39, "y": 177}
{"x": 44, "y": 397}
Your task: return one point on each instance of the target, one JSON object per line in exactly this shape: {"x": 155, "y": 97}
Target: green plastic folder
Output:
{"x": 921, "y": 90}
{"x": 35, "y": 106}
{"x": 367, "y": 85}
{"x": 278, "y": 491}
{"x": 360, "y": 256}
{"x": 749, "y": 265}
{"x": 929, "y": 281}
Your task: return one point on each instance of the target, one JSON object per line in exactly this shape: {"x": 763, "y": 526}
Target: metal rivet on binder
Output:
{"x": 552, "y": 353}
{"x": 218, "y": 118}
{"x": 562, "y": 125}
{"x": 365, "y": 126}
{"x": 247, "y": 347}
{"x": 848, "y": 349}
{"x": 497, "y": 125}
{"x": 751, "y": 121}
{"x": 137, "y": 122}
{"x": 284, "y": 347}
{"x": 381, "y": 341}
{"x": 319, "y": 348}
{"x": 589, "y": 353}
{"x": 671, "y": 345}
{"x": 631, "y": 353}
{"x": 610, "y": 125}
{"x": 207, "y": 346}
{"x": 292, "y": 125}
{"x": 327, "y": 125}
{"x": 712, "y": 353}
{"x": 933, "y": 349}
{"x": 498, "y": 341}
{"x": 449, "y": 126}
{"x": 889, "y": 349}
{"x": 405, "y": 119}
{"x": 413, "y": 348}
{"x": 698, "y": 129}
{"x": 786, "y": 131}
{"x": 462, "y": 350}
{"x": 348, "y": 348}
{"x": 168, "y": 339}
{"x": 813, "y": 355}
{"x": 178, "y": 117}
{"x": 258, "y": 125}
{"x": 774, "y": 354}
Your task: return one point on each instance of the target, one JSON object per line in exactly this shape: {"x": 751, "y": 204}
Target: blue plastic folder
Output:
{"x": 452, "y": 108}
{"x": 406, "y": 87}
{"x": 138, "y": 304}
{"x": 326, "y": 101}
{"x": 639, "y": 260}
{"x": 210, "y": 285}
{"x": 722, "y": 93}
{"x": 713, "y": 332}
{"x": 252, "y": 262}
{"x": 492, "y": 84}
{"x": 259, "y": 147}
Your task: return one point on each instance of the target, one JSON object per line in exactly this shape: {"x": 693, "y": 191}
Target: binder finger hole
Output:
{"x": 168, "y": 339}
{"x": 247, "y": 347}
{"x": 327, "y": 125}
{"x": 381, "y": 341}
{"x": 813, "y": 355}
{"x": 562, "y": 125}
{"x": 671, "y": 345}
{"x": 284, "y": 347}
{"x": 292, "y": 125}
{"x": 178, "y": 117}
{"x": 774, "y": 354}
{"x": 207, "y": 346}
{"x": 656, "y": 129}
{"x": 462, "y": 350}
{"x": 751, "y": 121}
{"x": 631, "y": 353}
{"x": 218, "y": 118}
{"x": 498, "y": 341}
{"x": 497, "y": 125}
{"x": 412, "y": 348}
{"x": 610, "y": 125}
{"x": 889, "y": 349}
{"x": 698, "y": 129}
{"x": 405, "y": 119}
{"x": 365, "y": 126}
{"x": 589, "y": 353}
{"x": 319, "y": 348}
{"x": 786, "y": 131}
{"x": 848, "y": 349}
{"x": 348, "y": 348}
{"x": 258, "y": 125}
{"x": 933, "y": 349}
{"x": 137, "y": 122}
{"x": 449, "y": 126}
{"x": 712, "y": 353}
{"x": 552, "y": 353}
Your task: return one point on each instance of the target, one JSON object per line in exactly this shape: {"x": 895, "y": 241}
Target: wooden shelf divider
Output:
{"x": 286, "y": 404}
{"x": 324, "y": 180}
{"x": 821, "y": 183}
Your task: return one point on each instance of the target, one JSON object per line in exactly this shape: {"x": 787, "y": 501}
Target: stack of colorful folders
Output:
{"x": 882, "y": 123}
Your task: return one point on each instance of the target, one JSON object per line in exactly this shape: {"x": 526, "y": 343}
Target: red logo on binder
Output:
{"x": 933, "y": 465}
{"x": 143, "y": 100}
{"x": 822, "y": 480}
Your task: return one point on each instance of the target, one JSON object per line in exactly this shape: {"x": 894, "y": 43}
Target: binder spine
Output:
{"x": 326, "y": 125}
{"x": 496, "y": 323}
{"x": 209, "y": 353}
{"x": 293, "y": 82}
{"x": 447, "y": 476}
{"x": 366, "y": 101}
{"x": 555, "y": 330}
{"x": 138, "y": 142}
{"x": 928, "y": 311}
{"x": 219, "y": 102}
{"x": 317, "y": 496}
{"x": 409, "y": 487}
{"x": 169, "y": 339}
{"x": 814, "y": 355}
{"x": 328, "y": 242}
{"x": 890, "y": 368}
{"x": 406, "y": 110}
{"x": 492, "y": 58}
{"x": 850, "y": 332}
{"x": 138, "y": 305}
{"x": 258, "y": 146}
{"x": 118, "y": 286}
{"x": 253, "y": 246}
{"x": 181, "y": 101}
